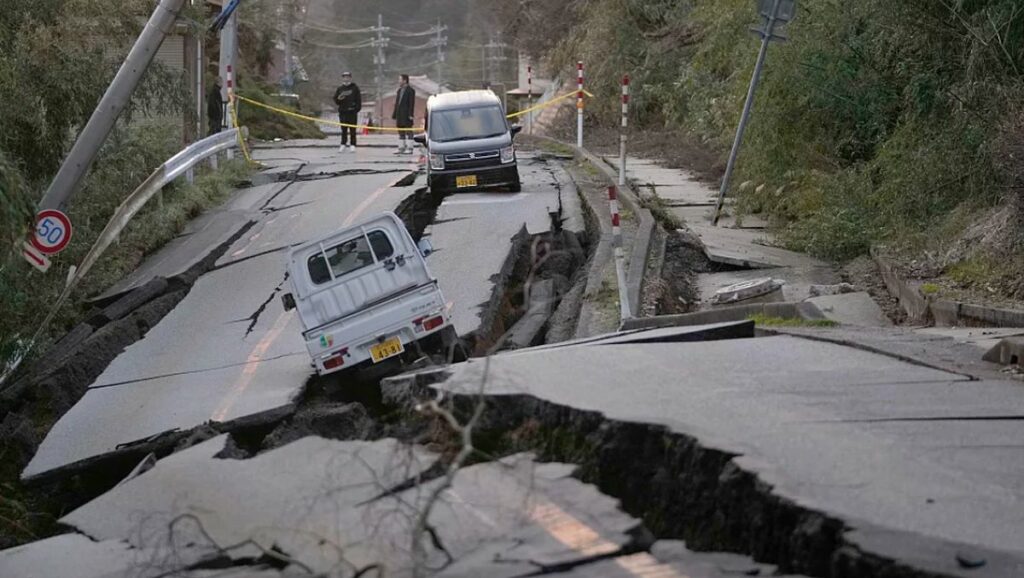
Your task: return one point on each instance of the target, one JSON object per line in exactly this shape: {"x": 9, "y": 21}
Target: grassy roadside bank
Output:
{"x": 892, "y": 123}
{"x": 30, "y": 513}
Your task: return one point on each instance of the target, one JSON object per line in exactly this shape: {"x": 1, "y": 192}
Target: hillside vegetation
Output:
{"x": 879, "y": 122}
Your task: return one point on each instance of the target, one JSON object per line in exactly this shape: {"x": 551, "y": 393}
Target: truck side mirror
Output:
{"x": 420, "y": 138}
{"x": 516, "y": 129}
{"x": 425, "y": 247}
{"x": 288, "y": 300}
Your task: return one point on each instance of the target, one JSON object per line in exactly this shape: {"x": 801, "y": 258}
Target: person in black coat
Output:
{"x": 404, "y": 114}
{"x": 215, "y": 108}
{"x": 350, "y": 101}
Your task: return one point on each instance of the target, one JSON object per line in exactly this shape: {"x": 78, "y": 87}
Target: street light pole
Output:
{"x": 767, "y": 35}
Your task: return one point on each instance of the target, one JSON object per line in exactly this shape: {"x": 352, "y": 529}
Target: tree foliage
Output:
{"x": 56, "y": 59}
{"x": 873, "y": 123}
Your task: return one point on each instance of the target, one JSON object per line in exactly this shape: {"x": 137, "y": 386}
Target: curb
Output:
{"x": 645, "y": 232}
{"x": 943, "y": 312}
{"x": 789, "y": 310}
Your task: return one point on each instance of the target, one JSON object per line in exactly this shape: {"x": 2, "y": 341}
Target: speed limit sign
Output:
{"x": 53, "y": 232}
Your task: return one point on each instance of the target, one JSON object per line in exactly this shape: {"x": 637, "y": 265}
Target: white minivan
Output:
{"x": 364, "y": 294}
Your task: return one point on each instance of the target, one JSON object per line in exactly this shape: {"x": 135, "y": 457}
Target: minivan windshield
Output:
{"x": 467, "y": 123}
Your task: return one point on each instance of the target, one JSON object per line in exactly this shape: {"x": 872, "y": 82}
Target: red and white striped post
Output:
{"x": 529, "y": 97}
{"x": 229, "y": 85}
{"x": 620, "y": 255}
{"x": 579, "y": 104}
{"x": 625, "y": 126}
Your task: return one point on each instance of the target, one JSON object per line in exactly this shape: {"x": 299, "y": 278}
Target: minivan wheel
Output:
{"x": 516, "y": 187}
{"x": 434, "y": 189}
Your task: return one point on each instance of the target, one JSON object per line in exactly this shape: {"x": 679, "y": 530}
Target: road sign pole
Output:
{"x": 625, "y": 126}
{"x": 620, "y": 255}
{"x": 579, "y": 104}
{"x": 529, "y": 98}
{"x": 767, "y": 34}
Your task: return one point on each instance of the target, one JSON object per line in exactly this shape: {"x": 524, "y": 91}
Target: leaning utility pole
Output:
{"x": 773, "y": 13}
{"x": 117, "y": 96}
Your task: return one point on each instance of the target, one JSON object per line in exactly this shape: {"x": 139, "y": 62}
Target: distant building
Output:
{"x": 518, "y": 96}
{"x": 180, "y": 52}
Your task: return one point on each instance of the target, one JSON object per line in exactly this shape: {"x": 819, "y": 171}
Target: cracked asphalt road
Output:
{"x": 228, "y": 350}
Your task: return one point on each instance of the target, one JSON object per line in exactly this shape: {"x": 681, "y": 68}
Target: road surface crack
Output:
{"x": 255, "y": 317}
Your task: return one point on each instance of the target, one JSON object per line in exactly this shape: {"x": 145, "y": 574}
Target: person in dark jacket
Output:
{"x": 215, "y": 108}
{"x": 404, "y": 114}
{"x": 350, "y": 102}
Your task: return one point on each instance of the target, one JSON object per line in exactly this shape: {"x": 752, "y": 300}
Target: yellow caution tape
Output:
{"x": 234, "y": 119}
{"x": 387, "y": 128}
{"x": 323, "y": 121}
{"x": 551, "y": 102}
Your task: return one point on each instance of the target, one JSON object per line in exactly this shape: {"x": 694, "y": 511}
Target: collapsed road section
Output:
{"x": 224, "y": 356}
{"x": 824, "y": 459}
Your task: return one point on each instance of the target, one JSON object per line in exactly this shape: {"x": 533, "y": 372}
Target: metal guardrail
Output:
{"x": 174, "y": 167}
{"x": 165, "y": 174}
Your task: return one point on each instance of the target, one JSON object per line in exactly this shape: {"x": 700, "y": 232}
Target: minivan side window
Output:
{"x": 349, "y": 256}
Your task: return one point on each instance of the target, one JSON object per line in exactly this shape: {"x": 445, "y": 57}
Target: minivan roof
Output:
{"x": 462, "y": 99}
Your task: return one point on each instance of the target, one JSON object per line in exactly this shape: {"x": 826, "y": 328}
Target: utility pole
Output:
{"x": 228, "y": 52}
{"x": 95, "y": 132}
{"x": 495, "y": 56}
{"x": 483, "y": 64}
{"x": 440, "y": 42}
{"x": 773, "y": 13}
{"x": 380, "y": 43}
{"x": 287, "y": 81}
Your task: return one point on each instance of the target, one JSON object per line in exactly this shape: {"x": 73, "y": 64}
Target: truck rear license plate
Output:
{"x": 465, "y": 181}
{"x": 387, "y": 349}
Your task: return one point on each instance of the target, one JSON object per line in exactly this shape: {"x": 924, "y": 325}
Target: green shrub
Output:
{"x": 873, "y": 123}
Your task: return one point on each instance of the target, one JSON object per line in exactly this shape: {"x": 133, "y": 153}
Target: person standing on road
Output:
{"x": 215, "y": 108}
{"x": 404, "y": 114}
{"x": 350, "y": 102}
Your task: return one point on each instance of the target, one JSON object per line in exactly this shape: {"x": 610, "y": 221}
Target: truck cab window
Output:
{"x": 382, "y": 247}
{"x": 348, "y": 257}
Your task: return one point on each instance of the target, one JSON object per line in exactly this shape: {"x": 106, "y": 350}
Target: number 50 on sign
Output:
{"x": 53, "y": 232}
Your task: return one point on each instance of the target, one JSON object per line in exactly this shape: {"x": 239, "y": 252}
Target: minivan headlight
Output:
{"x": 437, "y": 161}
{"x": 508, "y": 154}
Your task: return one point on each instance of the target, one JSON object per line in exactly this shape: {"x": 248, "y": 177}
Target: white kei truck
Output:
{"x": 364, "y": 295}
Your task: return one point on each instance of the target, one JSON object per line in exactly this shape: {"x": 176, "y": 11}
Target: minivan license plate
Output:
{"x": 389, "y": 348}
{"x": 465, "y": 181}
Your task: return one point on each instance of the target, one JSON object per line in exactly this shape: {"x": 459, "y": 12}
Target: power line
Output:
{"x": 339, "y": 30}
{"x": 357, "y": 46}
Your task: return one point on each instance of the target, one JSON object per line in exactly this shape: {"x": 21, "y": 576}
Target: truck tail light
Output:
{"x": 337, "y": 360}
{"x": 428, "y": 322}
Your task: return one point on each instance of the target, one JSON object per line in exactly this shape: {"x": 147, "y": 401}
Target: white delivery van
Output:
{"x": 364, "y": 294}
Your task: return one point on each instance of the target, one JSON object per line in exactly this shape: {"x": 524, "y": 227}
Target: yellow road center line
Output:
{"x": 251, "y": 367}
{"x": 574, "y": 534}
{"x": 257, "y": 353}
